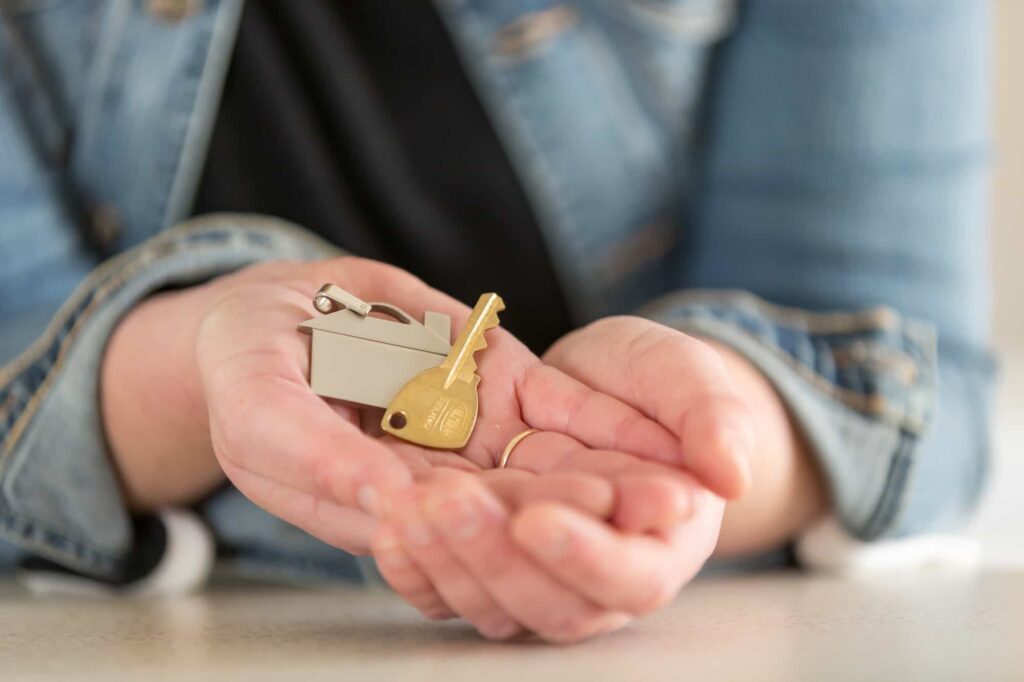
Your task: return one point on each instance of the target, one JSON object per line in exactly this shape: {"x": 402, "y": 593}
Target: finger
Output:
{"x": 473, "y": 526}
{"x": 339, "y": 526}
{"x": 373, "y": 280}
{"x": 554, "y": 401}
{"x": 589, "y": 494}
{"x": 651, "y": 503}
{"x": 459, "y": 590}
{"x": 281, "y": 431}
{"x": 675, "y": 379}
{"x": 637, "y": 503}
{"x": 404, "y": 577}
{"x": 631, "y": 573}
{"x": 648, "y": 496}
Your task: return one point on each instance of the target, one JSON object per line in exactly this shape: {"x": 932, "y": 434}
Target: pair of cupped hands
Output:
{"x": 599, "y": 518}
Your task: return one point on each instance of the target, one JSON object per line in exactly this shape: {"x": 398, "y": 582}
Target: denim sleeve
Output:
{"x": 59, "y": 495}
{"x": 846, "y": 180}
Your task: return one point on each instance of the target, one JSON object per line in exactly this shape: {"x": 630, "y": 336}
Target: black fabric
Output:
{"x": 357, "y": 120}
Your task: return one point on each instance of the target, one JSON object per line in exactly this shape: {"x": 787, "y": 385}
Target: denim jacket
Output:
{"x": 814, "y": 196}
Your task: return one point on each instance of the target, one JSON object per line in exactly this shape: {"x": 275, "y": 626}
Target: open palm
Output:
{"x": 326, "y": 467}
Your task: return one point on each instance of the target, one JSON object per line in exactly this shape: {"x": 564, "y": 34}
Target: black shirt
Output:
{"x": 357, "y": 120}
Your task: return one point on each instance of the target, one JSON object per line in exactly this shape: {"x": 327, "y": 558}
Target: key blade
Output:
{"x": 460, "y": 361}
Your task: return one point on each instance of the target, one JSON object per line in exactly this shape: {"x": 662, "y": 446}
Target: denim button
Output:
{"x": 173, "y": 11}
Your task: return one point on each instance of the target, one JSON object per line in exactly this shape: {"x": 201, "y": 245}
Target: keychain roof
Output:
{"x": 361, "y": 358}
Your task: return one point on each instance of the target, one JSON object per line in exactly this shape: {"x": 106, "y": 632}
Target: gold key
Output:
{"x": 437, "y": 407}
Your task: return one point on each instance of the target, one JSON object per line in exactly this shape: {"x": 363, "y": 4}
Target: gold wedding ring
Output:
{"x": 516, "y": 440}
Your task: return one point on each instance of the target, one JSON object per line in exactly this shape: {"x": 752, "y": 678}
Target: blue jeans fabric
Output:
{"x": 693, "y": 159}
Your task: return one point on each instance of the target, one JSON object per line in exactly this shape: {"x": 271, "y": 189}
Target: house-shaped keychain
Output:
{"x": 365, "y": 359}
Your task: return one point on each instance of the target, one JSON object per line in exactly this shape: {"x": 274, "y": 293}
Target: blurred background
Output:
{"x": 1000, "y": 523}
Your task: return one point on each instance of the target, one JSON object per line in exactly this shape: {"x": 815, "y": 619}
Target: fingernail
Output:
{"x": 552, "y": 541}
{"x": 369, "y": 500}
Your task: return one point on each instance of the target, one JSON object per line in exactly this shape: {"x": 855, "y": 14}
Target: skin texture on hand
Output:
{"x": 578, "y": 541}
{"x": 214, "y": 378}
{"x": 732, "y": 425}
{"x": 584, "y": 578}
{"x": 453, "y": 549}
{"x": 153, "y": 403}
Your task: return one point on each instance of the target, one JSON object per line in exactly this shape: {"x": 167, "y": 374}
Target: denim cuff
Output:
{"x": 860, "y": 385}
{"x": 59, "y": 493}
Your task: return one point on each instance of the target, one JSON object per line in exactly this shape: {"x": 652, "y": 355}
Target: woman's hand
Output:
{"x": 509, "y": 560}
{"x": 678, "y": 380}
{"x": 544, "y": 568}
{"x": 733, "y": 430}
{"x": 550, "y": 570}
{"x": 220, "y": 370}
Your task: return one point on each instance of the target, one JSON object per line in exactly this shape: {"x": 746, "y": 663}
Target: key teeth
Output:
{"x": 469, "y": 366}
{"x": 491, "y": 323}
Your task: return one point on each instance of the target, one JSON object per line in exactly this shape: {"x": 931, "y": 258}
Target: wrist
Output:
{"x": 788, "y": 492}
{"x": 153, "y": 403}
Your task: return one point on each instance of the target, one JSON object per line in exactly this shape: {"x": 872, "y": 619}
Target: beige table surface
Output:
{"x": 770, "y": 627}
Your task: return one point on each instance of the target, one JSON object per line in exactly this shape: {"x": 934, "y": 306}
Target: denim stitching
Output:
{"x": 757, "y": 318}
{"x": 914, "y": 408}
{"x": 867, "y": 403}
{"x": 47, "y": 542}
{"x": 27, "y": 379}
{"x": 33, "y": 370}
